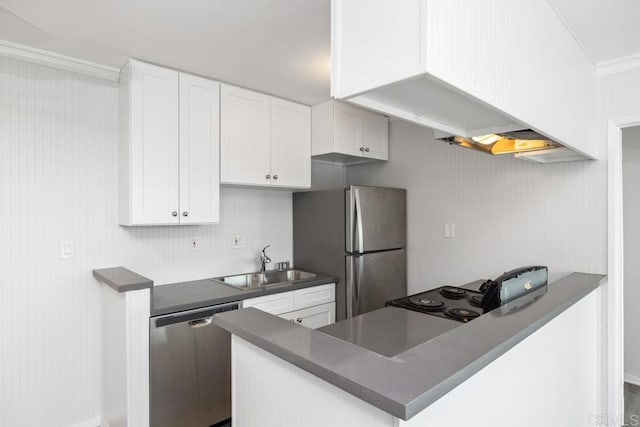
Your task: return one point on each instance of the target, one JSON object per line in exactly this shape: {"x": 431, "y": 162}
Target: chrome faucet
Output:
{"x": 264, "y": 259}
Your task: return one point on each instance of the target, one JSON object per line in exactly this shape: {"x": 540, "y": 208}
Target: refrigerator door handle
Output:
{"x": 358, "y": 215}
{"x": 356, "y": 285}
{"x": 350, "y": 283}
{"x": 354, "y": 275}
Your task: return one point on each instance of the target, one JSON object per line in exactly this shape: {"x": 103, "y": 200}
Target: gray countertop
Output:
{"x": 404, "y": 374}
{"x": 122, "y": 279}
{"x": 183, "y": 296}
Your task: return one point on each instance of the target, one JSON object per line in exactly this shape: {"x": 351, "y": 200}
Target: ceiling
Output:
{"x": 606, "y": 29}
{"x": 279, "y": 47}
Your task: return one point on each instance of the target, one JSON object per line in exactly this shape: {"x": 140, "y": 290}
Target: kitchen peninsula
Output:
{"x": 283, "y": 373}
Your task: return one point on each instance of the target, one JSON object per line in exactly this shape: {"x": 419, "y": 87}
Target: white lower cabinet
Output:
{"x": 312, "y": 307}
{"x": 313, "y": 317}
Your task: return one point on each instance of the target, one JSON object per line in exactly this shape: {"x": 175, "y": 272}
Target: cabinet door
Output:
{"x": 153, "y": 144}
{"x": 290, "y": 144}
{"x": 316, "y": 295}
{"x": 347, "y": 129}
{"x": 274, "y": 303}
{"x": 375, "y": 136}
{"x": 244, "y": 137}
{"x": 199, "y": 150}
{"x": 313, "y": 317}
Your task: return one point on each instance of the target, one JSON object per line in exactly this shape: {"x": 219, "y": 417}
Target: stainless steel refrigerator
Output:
{"x": 358, "y": 234}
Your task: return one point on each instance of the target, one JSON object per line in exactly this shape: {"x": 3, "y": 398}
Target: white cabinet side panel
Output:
{"x": 517, "y": 56}
{"x": 244, "y": 137}
{"x": 138, "y": 305}
{"x": 154, "y": 144}
{"x": 269, "y": 392}
{"x": 114, "y": 357}
{"x": 199, "y": 150}
{"x": 374, "y": 42}
{"x": 290, "y": 144}
{"x": 321, "y": 128}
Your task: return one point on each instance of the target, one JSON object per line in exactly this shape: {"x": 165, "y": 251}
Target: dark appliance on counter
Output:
{"x": 359, "y": 235}
{"x": 464, "y": 305}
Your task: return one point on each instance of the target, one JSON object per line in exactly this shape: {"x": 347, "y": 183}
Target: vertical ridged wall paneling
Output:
{"x": 506, "y": 212}
{"x": 59, "y": 181}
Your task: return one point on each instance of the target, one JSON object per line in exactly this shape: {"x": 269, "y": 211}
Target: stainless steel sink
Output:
{"x": 260, "y": 280}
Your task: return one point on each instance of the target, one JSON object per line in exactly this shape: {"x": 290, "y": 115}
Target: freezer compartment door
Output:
{"x": 373, "y": 279}
{"x": 376, "y": 219}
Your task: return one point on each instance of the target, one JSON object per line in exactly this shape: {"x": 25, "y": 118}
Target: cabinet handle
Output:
{"x": 299, "y": 320}
{"x": 174, "y": 213}
{"x": 275, "y": 176}
{"x": 361, "y": 148}
{"x": 268, "y": 176}
{"x": 185, "y": 213}
{"x": 291, "y": 320}
{"x": 366, "y": 149}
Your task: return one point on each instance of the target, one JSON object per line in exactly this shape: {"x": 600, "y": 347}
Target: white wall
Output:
{"x": 58, "y": 181}
{"x": 631, "y": 194}
{"x": 506, "y": 212}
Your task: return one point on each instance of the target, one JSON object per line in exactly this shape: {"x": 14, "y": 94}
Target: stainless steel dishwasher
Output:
{"x": 190, "y": 369}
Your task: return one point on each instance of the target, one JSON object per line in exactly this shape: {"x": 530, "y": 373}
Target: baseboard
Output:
{"x": 631, "y": 379}
{"x": 91, "y": 422}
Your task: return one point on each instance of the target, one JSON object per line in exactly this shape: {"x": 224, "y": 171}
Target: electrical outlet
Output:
{"x": 237, "y": 241}
{"x": 449, "y": 231}
{"x": 194, "y": 243}
{"x": 67, "y": 250}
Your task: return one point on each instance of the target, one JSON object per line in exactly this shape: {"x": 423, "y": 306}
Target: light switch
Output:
{"x": 449, "y": 231}
{"x": 67, "y": 250}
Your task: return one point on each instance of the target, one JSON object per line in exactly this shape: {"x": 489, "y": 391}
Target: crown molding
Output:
{"x": 55, "y": 60}
{"x": 618, "y": 65}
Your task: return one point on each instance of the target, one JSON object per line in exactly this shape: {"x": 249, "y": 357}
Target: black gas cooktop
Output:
{"x": 449, "y": 302}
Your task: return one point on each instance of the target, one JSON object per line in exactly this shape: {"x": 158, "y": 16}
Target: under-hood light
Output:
{"x": 486, "y": 139}
{"x": 508, "y": 143}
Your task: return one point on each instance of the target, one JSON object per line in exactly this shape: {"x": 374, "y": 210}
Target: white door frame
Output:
{"x": 615, "y": 269}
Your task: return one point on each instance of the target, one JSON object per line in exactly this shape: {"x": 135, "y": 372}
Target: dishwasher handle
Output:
{"x": 200, "y": 323}
{"x": 195, "y": 318}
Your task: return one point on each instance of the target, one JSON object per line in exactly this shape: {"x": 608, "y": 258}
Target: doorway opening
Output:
{"x": 631, "y": 272}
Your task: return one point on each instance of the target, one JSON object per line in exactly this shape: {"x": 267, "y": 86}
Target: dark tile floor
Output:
{"x": 631, "y": 405}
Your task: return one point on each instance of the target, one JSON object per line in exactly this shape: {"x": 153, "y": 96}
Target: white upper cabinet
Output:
{"x": 245, "y": 149}
{"x": 265, "y": 141}
{"x": 347, "y": 134}
{"x": 290, "y": 144}
{"x": 199, "y": 150}
{"x": 168, "y": 147}
{"x": 466, "y": 67}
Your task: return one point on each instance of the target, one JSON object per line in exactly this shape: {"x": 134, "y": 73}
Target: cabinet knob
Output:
{"x": 174, "y": 213}
{"x": 366, "y": 149}
{"x": 268, "y": 176}
{"x": 299, "y": 320}
{"x": 361, "y": 148}
{"x": 185, "y": 213}
{"x": 275, "y": 176}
